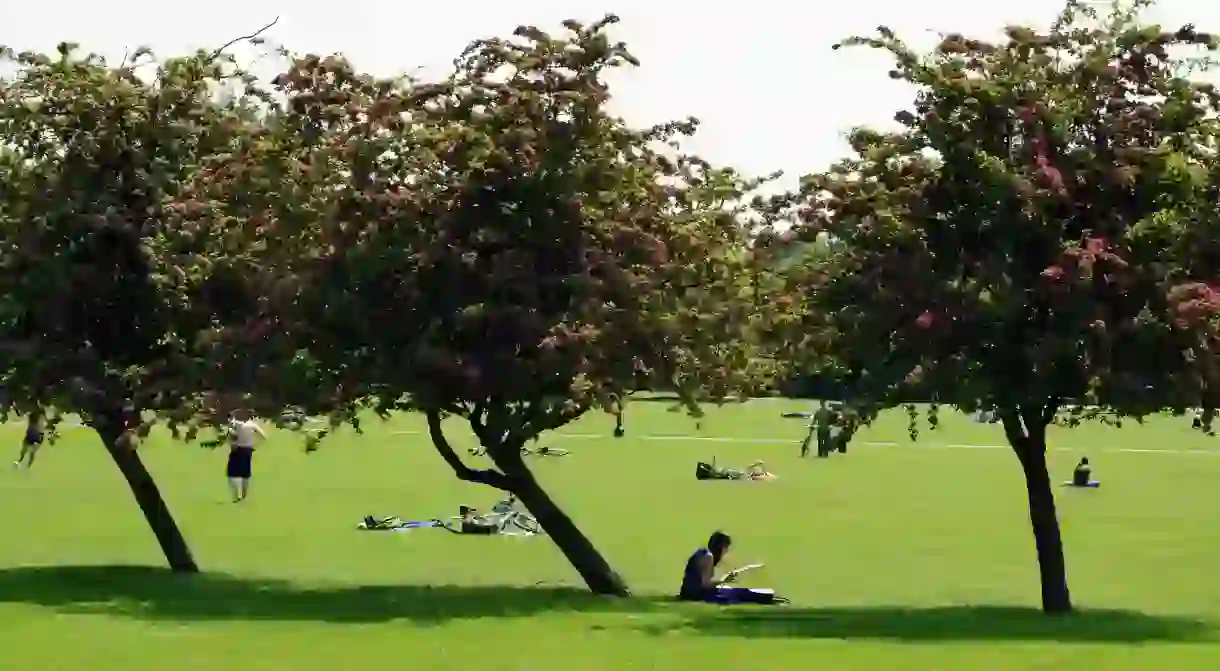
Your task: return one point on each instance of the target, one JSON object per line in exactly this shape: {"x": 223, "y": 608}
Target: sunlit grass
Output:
{"x": 895, "y": 556}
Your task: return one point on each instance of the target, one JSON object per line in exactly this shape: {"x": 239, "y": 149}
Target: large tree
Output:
{"x": 1038, "y": 237}
{"x": 498, "y": 247}
{"x": 108, "y": 309}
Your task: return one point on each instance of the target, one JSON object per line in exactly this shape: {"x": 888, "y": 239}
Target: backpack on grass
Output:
{"x": 706, "y": 471}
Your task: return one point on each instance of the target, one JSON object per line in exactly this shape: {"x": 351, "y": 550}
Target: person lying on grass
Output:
{"x": 710, "y": 471}
{"x": 758, "y": 471}
{"x": 505, "y": 506}
{"x": 471, "y": 522}
{"x": 544, "y": 451}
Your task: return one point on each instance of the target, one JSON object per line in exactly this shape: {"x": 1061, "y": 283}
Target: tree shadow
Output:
{"x": 150, "y": 593}
{"x": 947, "y": 623}
{"x": 157, "y": 594}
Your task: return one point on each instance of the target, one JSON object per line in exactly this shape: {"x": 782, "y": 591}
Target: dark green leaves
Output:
{"x": 1022, "y": 240}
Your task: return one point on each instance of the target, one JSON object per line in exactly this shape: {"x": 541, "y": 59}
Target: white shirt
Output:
{"x": 244, "y": 433}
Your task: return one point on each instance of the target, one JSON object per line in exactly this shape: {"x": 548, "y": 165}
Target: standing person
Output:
{"x": 819, "y": 427}
{"x": 244, "y": 432}
{"x": 848, "y": 424}
{"x": 35, "y": 433}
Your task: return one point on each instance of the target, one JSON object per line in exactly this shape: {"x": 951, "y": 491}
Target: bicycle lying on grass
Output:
{"x": 543, "y": 451}
{"x": 506, "y": 514}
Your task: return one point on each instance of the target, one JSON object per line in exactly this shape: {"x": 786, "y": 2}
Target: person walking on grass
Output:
{"x": 244, "y": 434}
{"x": 819, "y": 427}
{"x": 35, "y": 433}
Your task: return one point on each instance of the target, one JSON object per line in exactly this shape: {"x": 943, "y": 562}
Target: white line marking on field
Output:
{"x": 869, "y": 443}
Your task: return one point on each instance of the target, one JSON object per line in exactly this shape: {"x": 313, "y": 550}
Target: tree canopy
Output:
{"x": 495, "y": 247}
{"x": 1037, "y": 239}
{"x": 108, "y": 309}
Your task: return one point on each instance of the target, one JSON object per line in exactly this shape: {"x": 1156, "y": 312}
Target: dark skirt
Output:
{"x": 240, "y": 462}
{"x": 33, "y": 437}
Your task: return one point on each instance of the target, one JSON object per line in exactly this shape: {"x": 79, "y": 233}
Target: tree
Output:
{"x": 107, "y": 309}
{"x": 1024, "y": 243}
{"x": 497, "y": 247}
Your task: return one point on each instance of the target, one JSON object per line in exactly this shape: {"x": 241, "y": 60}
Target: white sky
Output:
{"x": 760, "y": 75}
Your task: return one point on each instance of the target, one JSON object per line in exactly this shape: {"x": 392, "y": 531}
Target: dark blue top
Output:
{"x": 692, "y": 578}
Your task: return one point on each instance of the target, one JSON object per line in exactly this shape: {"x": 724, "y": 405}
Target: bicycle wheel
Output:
{"x": 526, "y": 522}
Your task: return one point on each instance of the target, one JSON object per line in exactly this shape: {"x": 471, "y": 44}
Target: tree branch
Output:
{"x": 875, "y": 390}
{"x": 19, "y": 347}
{"x": 476, "y": 420}
{"x": 461, "y": 470}
{"x": 1031, "y": 418}
{"x": 1051, "y": 409}
{"x": 243, "y": 38}
{"x": 1014, "y": 431}
{"x": 496, "y": 426}
{"x": 539, "y": 420}
{"x": 552, "y": 421}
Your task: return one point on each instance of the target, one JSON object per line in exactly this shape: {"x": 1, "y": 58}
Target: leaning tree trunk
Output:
{"x": 572, "y": 542}
{"x": 111, "y": 429}
{"x": 1052, "y": 568}
{"x": 514, "y": 477}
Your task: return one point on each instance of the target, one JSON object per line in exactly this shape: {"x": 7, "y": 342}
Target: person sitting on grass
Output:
{"x": 698, "y": 578}
{"x": 1082, "y": 475}
{"x": 700, "y": 584}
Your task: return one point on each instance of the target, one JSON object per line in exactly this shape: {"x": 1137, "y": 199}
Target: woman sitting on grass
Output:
{"x": 1082, "y": 475}
{"x": 699, "y": 582}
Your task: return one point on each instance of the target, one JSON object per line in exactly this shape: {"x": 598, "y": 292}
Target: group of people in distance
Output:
{"x": 244, "y": 435}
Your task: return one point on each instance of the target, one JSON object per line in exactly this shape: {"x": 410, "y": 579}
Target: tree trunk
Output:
{"x": 112, "y": 432}
{"x": 1052, "y": 569}
{"x": 572, "y": 542}
{"x": 515, "y": 477}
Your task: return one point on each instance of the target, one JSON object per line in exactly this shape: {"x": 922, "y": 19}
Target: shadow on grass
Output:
{"x": 946, "y": 624}
{"x": 157, "y": 594}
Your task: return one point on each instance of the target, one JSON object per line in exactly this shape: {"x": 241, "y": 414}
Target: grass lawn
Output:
{"x": 907, "y": 556}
